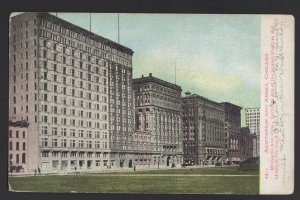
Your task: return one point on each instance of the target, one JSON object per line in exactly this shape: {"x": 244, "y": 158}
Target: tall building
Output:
{"x": 157, "y": 137}
{"x": 18, "y": 147}
{"x": 232, "y": 131}
{"x": 253, "y": 122}
{"x": 246, "y": 143}
{"x": 203, "y": 131}
{"x": 73, "y": 87}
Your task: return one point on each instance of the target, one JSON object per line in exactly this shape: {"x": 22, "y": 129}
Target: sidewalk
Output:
{"x": 112, "y": 170}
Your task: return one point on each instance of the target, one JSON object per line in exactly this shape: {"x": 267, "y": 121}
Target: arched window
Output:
{"x": 10, "y": 145}
{"x": 24, "y": 158}
{"x": 24, "y": 146}
{"x": 17, "y": 146}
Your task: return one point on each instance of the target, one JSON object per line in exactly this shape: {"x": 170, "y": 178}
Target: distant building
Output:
{"x": 18, "y": 145}
{"x": 203, "y": 131}
{"x": 157, "y": 138}
{"x": 246, "y": 143}
{"x": 253, "y": 122}
{"x": 232, "y": 131}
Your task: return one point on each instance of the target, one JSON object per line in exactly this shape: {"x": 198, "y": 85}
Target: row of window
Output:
{"x": 17, "y": 134}
{"x": 11, "y": 147}
{"x": 74, "y": 143}
{"x": 17, "y": 161}
{"x": 158, "y": 88}
{"x": 72, "y": 133}
{"x": 72, "y": 122}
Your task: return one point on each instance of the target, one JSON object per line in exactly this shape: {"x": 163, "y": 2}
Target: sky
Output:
{"x": 216, "y": 56}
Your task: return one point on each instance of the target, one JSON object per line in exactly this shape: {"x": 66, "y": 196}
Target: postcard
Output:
{"x": 151, "y": 103}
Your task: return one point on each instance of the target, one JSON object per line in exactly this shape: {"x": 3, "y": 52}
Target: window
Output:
{"x": 17, "y": 158}
{"x": 44, "y": 142}
{"x": 17, "y": 146}
{"x": 44, "y": 130}
{"x": 54, "y": 142}
{"x": 54, "y": 130}
{"x": 45, "y": 119}
{"x": 64, "y": 143}
{"x": 24, "y": 146}
{"x": 17, "y": 134}
{"x": 10, "y": 145}
{"x": 23, "y": 158}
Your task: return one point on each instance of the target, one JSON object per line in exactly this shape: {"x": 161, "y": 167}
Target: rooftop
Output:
{"x": 80, "y": 30}
{"x": 153, "y": 79}
{"x": 189, "y": 95}
{"x": 228, "y": 104}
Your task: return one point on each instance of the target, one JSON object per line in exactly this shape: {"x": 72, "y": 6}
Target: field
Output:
{"x": 176, "y": 181}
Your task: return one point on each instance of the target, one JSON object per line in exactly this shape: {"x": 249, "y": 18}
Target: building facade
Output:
{"x": 203, "y": 131}
{"x": 17, "y": 147}
{"x": 73, "y": 87}
{"x": 232, "y": 131}
{"x": 246, "y": 143}
{"x": 158, "y": 128}
{"x": 253, "y": 122}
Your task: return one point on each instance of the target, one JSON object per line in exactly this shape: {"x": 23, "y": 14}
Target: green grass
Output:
{"x": 120, "y": 183}
{"x": 214, "y": 170}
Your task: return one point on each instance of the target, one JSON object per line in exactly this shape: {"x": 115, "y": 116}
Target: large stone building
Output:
{"x": 18, "y": 147}
{"x": 157, "y": 136}
{"x": 253, "y": 122}
{"x": 232, "y": 131}
{"x": 73, "y": 87}
{"x": 203, "y": 131}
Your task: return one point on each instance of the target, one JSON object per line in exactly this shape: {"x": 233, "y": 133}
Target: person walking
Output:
{"x": 34, "y": 172}
{"x": 39, "y": 170}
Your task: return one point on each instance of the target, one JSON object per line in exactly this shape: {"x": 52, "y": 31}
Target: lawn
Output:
{"x": 210, "y": 170}
{"x": 120, "y": 183}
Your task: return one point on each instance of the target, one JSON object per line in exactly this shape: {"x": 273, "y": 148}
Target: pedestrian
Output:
{"x": 34, "y": 172}
{"x": 134, "y": 168}
{"x": 39, "y": 170}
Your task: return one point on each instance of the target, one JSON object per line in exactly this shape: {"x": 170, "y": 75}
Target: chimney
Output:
{"x": 150, "y": 74}
{"x": 187, "y": 93}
